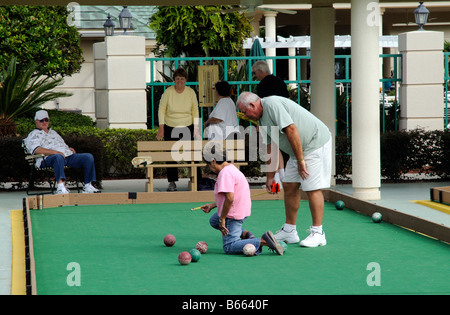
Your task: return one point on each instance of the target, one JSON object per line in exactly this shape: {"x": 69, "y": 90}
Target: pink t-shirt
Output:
{"x": 230, "y": 179}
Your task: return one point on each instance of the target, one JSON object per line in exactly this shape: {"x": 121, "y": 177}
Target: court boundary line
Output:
{"x": 434, "y": 205}
{"x": 18, "y": 260}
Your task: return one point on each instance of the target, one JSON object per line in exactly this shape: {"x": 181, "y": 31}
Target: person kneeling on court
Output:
{"x": 233, "y": 202}
{"x": 46, "y": 141}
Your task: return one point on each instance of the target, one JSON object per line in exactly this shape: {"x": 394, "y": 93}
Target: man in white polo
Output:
{"x": 307, "y": 140}
{"x": 57, "y": 154}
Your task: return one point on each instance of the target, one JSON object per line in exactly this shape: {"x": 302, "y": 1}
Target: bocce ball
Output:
{"x": 249, "y": 249}
{"x": 377, "y": 217}
{"x": 195, "y": 254}
{"x": 339, "y": 205}
{"x": 184, "y": 258}
{"x": 202, "y": 247}
{"x": 169, "y": 240}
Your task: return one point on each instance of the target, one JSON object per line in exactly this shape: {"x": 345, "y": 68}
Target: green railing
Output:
{"x": 237, "y": 71}
{"x": 387, "y": 86}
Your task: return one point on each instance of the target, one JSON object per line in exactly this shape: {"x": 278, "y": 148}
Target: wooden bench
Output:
{"x": 188, "y": 154}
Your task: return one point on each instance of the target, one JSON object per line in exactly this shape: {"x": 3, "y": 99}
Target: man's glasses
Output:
{"x": 44, "y": 120}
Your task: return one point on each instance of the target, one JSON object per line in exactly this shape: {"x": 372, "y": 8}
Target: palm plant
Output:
{"x": 23, "y": 91}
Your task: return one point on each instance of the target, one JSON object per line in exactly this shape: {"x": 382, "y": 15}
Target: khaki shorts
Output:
{"x": 318, "y": 165}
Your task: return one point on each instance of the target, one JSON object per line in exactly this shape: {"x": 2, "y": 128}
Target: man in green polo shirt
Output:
{"x": 307, "y": 140}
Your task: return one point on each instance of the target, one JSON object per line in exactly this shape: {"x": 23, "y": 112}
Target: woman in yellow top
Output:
{"x": 178, "y": 116}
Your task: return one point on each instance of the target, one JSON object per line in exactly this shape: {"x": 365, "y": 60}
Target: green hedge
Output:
{"x": 403, "y": 152}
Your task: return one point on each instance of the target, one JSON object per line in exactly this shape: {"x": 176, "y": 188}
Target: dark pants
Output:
{"x": 178, "y": 133}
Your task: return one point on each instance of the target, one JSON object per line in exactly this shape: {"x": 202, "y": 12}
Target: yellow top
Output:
{"x": 178, "y": 109}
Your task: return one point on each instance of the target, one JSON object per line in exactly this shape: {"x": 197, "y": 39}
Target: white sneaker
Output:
{"x": 62, "y": 190}
{"x": 314, "y": 239}
{"x": 287, "y": 237}
{"x": 89, "y": 189}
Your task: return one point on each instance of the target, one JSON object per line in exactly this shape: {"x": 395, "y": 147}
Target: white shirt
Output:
{"x": 51, "y": 140}
{"x": 225, "y": 110}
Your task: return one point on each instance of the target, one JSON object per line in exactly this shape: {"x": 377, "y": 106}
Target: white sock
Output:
{"x": 61, "y": 185}
{"x": 317, "y": 229}
{"x": 289, "y": 227}
{"x": 86, "y": 185}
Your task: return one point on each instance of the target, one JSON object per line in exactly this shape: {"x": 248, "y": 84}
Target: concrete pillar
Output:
{"x": 322, "y": 68}
{"x": 365, "y": 99}
{"x": 271, "y": 34}
{"x": 422, "y": 90}
{"x": 101, "y": 93}
{"x": 120, "y": 82}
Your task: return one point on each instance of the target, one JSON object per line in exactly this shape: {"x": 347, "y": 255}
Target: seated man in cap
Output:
{"x": 44, "y": 140}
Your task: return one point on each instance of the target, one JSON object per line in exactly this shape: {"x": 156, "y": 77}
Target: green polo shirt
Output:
{"x": 281, "y": 112}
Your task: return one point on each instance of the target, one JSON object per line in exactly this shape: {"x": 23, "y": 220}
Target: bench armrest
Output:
{"x": 34, "y": 156}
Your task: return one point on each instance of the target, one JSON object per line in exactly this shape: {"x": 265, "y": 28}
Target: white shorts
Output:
{"x": 318, "y": 165}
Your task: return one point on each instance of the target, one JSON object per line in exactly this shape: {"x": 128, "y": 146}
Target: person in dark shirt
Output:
{"x": 269, "y": 84}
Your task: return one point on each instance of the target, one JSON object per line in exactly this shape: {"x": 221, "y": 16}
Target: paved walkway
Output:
{"x": 394, "y": 196}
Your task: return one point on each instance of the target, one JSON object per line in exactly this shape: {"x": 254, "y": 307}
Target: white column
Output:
{"x": 292, "y": 66}
{"x": 422, "y": 90}
{"x": 125, "y": 82}
{"x": 322, "y": 68}
{"x": 365, "y": 99}
{"x": 271, "y": 34}
{"x": 255, "y": 22}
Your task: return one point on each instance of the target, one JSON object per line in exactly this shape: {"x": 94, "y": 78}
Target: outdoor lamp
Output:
{"x": 109, "y": 26}
{"x": 125, "y": 19}
{"x": 421, "y": 15}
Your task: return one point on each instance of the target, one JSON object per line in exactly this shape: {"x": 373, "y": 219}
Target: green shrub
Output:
{"x": 394, "y": 154}
{"x": 121, "y": 147}
{"x": 343, "y": 156}
{"x": 60, "y": 121}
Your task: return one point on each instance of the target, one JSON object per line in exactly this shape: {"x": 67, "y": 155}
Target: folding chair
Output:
{"x": 31, "y": 159}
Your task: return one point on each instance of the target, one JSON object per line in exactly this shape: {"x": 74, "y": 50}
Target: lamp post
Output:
{"x": 421, "y": 15}
{"x": 125, "y": 19}
{"x": 109, "y": 26}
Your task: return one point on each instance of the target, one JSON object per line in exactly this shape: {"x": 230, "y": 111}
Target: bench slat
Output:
{"x": 167, "y": 145}
{"x": 183, "y": 144}
{"x": 187, "y": 156}
{"x": 173, "y": 156}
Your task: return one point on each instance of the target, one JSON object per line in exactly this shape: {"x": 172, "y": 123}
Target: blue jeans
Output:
{"x": 232, "y": 243}
{"x": 77, "y": 160}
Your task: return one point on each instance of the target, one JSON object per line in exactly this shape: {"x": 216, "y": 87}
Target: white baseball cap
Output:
{"x": 41, "y": 114}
